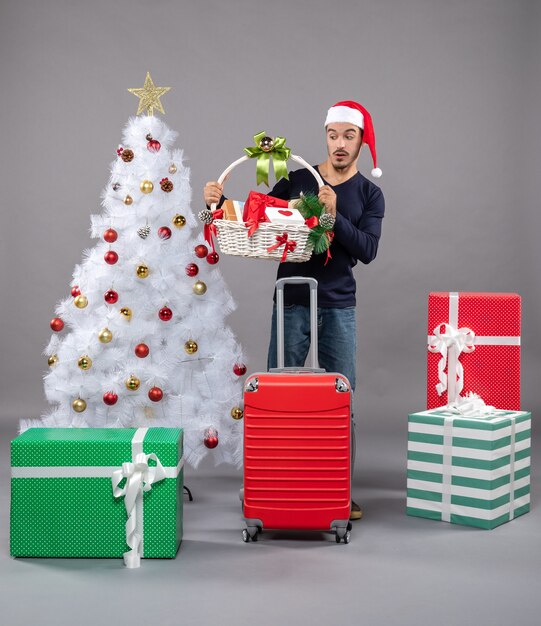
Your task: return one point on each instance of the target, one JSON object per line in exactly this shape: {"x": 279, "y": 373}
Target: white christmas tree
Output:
{"x": 142, "y": 340}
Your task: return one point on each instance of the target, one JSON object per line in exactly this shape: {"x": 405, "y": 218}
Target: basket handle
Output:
{"x": 293, "y": 157}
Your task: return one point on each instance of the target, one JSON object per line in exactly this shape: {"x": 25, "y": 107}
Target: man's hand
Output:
{"x": 327, "y": 197}
{"x": 212, "y": 192}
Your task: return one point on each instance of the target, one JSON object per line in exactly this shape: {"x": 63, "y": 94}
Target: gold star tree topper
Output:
{"x": 149, "y": 96}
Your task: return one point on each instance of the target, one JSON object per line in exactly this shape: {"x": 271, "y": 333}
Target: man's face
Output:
{"x": 343, "y": 144}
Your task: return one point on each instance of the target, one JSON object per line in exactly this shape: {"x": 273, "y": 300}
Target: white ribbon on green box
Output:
{"x": 446, "y": 470}
{"x": 448, "y": 467}
{"x": 139, "y": 475}
{"x": 451, "y": 342}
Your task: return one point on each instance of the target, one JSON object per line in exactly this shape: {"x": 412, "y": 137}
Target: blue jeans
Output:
{"x": 336, "y": 339}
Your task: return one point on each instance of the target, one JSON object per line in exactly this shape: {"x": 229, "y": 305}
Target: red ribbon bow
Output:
{"x": 330, "y": 236}
{"x": 312, "y": 222}
{"x": 210, "y": 229}
{"x": 289, "y": 246}
{"x": 254, "y": 209}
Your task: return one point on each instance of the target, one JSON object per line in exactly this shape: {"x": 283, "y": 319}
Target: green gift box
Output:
{"x": 469, "y": 470}
{"x": 94, "y": 492}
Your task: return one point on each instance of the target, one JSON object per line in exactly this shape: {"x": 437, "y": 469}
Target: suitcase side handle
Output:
{"x": 280, "y": 284}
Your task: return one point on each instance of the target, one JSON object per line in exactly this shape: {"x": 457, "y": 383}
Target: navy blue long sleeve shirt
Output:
{"x": 360, "y": 207}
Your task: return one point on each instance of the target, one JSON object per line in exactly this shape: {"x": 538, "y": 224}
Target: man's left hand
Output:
{"x": 327, "y": 197}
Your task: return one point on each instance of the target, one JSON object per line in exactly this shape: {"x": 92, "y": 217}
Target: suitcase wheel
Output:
{"x": 250, "y": 532}
{"x": 343, "y": 534}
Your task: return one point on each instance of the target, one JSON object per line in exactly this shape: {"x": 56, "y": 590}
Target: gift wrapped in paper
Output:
{"x": 474, "y": 346}
{"x": 97, "y": 492}
{"x": 233, "y": 210}
{"x": 289, "y": 216}
{"x": 254, "y": 209}
{"x": 469, "y": 470}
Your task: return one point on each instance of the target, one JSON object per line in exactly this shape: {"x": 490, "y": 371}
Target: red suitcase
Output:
{"x": 297, "y": 442}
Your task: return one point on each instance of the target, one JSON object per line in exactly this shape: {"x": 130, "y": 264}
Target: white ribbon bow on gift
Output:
{"x": 139, "y": 478}
{"x": 471, "y": 405}
{"x": 446, "y": 339}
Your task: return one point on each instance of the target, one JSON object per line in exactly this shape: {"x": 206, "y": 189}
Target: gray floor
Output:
{"x": 397, "y": 570}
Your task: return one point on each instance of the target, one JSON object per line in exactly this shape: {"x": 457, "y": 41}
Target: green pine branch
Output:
{"x": 310, "y": 206}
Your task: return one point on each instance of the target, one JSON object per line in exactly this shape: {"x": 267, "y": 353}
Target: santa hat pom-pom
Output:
{"x": 376, "y": 172}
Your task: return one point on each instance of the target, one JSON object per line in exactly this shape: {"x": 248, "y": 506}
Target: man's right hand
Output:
{"x": 212, "y": 192}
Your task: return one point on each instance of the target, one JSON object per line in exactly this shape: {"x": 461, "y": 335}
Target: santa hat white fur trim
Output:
{"x": 345, "y": 114}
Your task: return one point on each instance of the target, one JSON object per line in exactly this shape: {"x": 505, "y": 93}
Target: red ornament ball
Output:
{"x": 75, "y": 291}
{"x": 155, "y": 394}
{"x": 154, "y": 145}
{"x": 164, "y": 232}
{"x": 142, "y": 350}
{"x": 211, "y": 442}
{"x": 210, "y": 438}
{"x": 110, "y": 296}
{"x": 212, "y": 258}
{"x": 165, "y": 314}
{"x": 110, "y": 235}
{"x": 201, "y": 251}
{"x": 110, "y": 398}
{"x": 111, "y": 257}
{"x": 239, "y": 369}
{"x": 57, "y": 324}
{"x": 192, "y": 269}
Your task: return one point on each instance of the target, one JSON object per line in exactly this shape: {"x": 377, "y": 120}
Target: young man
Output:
{"x": 358, "y": 208}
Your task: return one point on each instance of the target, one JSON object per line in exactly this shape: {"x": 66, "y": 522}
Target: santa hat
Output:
{"x": 353, "y": 113}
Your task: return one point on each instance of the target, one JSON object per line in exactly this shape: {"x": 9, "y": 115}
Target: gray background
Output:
{"x": 454, "y": 91}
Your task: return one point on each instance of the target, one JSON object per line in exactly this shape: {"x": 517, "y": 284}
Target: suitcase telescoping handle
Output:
{"x": 296, "y": 280}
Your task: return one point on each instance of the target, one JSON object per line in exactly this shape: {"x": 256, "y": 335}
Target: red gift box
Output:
{"x": 474, "y": 345}
{"x": 254, "y": 209}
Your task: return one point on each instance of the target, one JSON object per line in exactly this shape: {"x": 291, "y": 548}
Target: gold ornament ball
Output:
{"x": 126, "y": 312}
{"x": 172, "y": 168}
{"x": 266, "y": 144}
{"x": 199, "y": 288}
{"x": 84, "y": 362}
{"x": 133, "y": 383}
{"x": 237, "y": 413}
{"x": 52, "y": 360}
{"x": 179, "y": 220}
{"x": 190, "y": 346}
{"x": 79, "y": 405}
{"x": 142, "y": 271}
{"x": 128, "y": 200}
{"x": 80, "y": 301}
{"x": 146, "y": 186}
{"x": 105, "y": 335}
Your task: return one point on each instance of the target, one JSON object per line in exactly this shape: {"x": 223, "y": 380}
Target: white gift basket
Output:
{"x": 262, "y": 244}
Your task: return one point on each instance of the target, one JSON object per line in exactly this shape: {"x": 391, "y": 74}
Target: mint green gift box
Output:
{"x": 62, "y": 499}
{"x": 473, "y": 471}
